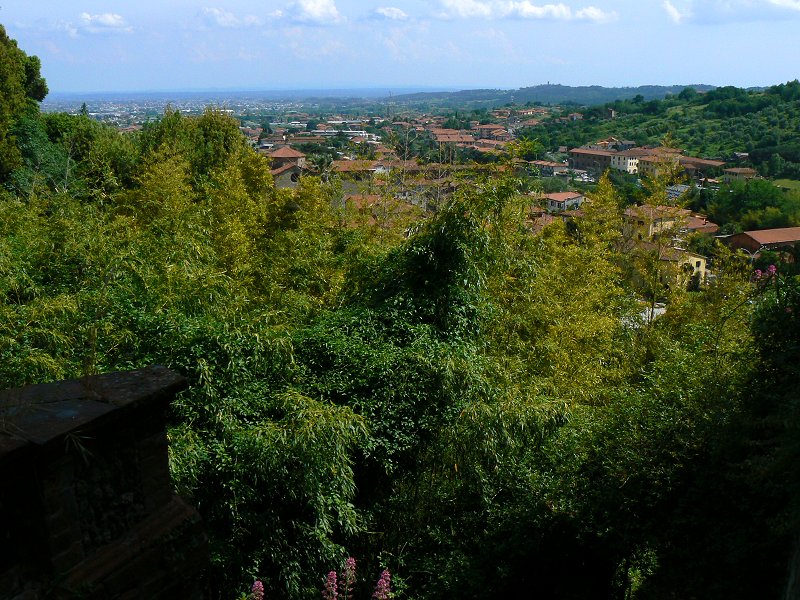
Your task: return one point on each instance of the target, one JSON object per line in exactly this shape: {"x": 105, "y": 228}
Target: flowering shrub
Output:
{"x": 383, "y": 589}
{"x": 330, "y": 592}
{"x": 762, "y": 276}
{"x": 341, "y": 588}
{"x": 348, "y": 579}
{"x": 338, "y": 587}
{"x": 257, "y": 591}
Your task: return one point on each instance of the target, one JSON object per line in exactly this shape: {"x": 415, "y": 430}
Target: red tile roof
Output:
{"x": 286, "y": 152}
{"x": 592, "y": 152}
{"x": 782, "y": 235}
{"x": 283, "y": 169}
{"x": 563, "y": 196}
{"x": 701, "y": 224}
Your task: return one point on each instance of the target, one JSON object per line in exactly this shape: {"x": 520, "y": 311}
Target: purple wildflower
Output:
{"x": 383, "y": 590}
{"x": 758, "y": 274}
{"x": 771, "y": 270}
{"x": 348, "y": 579}
{"x": 257, "y": 592}
{"x": 329, "y": 592}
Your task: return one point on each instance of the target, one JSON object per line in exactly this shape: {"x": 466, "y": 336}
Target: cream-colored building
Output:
{"x": 646, "y": 222}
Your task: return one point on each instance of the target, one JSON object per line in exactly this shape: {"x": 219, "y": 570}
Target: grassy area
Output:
{"x": 790, "y": 184}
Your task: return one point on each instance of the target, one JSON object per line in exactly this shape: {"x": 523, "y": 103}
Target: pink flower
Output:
{"x": 257, "y": 592}
{"x": 348, "y": 579}
{"x": 329, "y": 592}
{"x": 383, "y": 590}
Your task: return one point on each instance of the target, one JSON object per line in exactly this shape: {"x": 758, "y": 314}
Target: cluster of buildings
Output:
{"x": 623, "y": 155}
{"x": 660, "y": 231}
{"x": 652, "y": 161}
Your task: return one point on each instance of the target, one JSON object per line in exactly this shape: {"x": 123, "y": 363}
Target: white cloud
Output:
{"x": 104, "y": 23}
{"x": 594, "y": 14}
{"x": 322, "y": 12}
{"x": 390, "y": 12}
{"x": 522, "y": 9}
{"x": 712, "y": 12}
{"x": 674, "y": 14}
{"x": 792, "y": 4}
{"x": 466, "y": 8}
{"x": 226, "y": 19}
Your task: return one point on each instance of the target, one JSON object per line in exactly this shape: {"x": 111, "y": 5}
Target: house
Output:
{"x": 738, "y": 174}
{"x": 491, "y": 131}
{"x": 658, "y": 164}
{"x": 560, "y": 201}
{"x": 678, "y": 265}
{"x": 452, "y": 136}
{"x": 287, "y": 165}
{"x": 286, "y": 176}
{"x": 590, "y": 159}
{"x": 783, "y": 238}
{"x": 285, "y": 155}
{"x": 687, "y": 265}
{"x": 699, "y": 168}
{"x": 646, "y": 222}
{"x": 628, "y": 160}
{"x": 549, "y": 168}
{"x": 700, "y": 224}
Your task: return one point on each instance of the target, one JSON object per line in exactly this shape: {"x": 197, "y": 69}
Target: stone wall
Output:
{"x": 87, "y": 507}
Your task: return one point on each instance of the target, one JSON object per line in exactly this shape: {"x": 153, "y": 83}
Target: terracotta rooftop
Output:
{"x": 454, "y": 138}
{"x": 781, "y": 235}
{"x": 286, "y": 152}
{"x": 283, "y": 169}
{"x": 701, "y": 224}
{"x": 700, "y": 162}
{"x": 562, "y": 196}
{"x": 592, "y": 151}
{"x": 547, "y": 163}
{"x": 636, "y": 152}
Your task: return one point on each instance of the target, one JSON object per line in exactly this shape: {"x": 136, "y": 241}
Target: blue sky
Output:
{"x": 116, "y": 45}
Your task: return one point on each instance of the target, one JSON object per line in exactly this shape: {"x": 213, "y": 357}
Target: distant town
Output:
{"x": 414, "y": 149}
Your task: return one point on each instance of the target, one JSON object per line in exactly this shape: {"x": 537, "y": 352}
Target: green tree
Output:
{"x": 21, "y": 87}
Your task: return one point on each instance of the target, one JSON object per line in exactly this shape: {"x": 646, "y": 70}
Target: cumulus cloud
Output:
{"x": 522, "y": 9}
{"x": 103, "y": 23}
{"x": 390, "y": 12}
{"x": 322, "y": 12}
{"x": 226, "y": 19}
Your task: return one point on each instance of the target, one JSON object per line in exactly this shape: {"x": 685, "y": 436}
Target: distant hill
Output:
{"x": 547, "y": 94}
